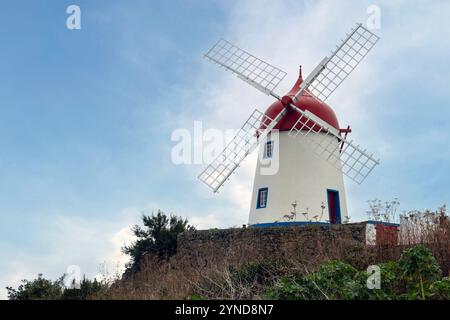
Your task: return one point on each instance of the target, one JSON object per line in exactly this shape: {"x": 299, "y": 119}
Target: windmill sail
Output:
{"x": 354, "y": 162}
{"x": 257, "y": 126}
{"x": 321, "y": 83}
{"x": 254, "y": 71}
{"x": 332, "y": 71}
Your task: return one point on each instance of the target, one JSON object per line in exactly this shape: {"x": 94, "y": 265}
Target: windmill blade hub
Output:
{"x": 305, "y": 102}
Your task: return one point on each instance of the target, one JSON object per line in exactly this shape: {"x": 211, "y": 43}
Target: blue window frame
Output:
{"x": 261, "y": 202}
{"x": 268, "y": 149}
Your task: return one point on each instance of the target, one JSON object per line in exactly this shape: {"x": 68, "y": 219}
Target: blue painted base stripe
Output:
{"x": 304, "y": 223}
{"x": 384, "y": 223}
{"x": 287, "y": 224}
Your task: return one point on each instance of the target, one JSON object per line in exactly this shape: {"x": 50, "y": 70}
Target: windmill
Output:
{"x": 307, "y": 128}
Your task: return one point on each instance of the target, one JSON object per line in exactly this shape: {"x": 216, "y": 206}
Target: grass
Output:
{"x": 250, "y": 275}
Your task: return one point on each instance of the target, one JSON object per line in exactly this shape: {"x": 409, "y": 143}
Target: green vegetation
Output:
{"x": 416, "y": 275}
{"x": 37, "y": 289}
{"x": 158, "y": 236}
{"x": 440, "y": 290}
{"x": 406, "y": 273}
{"x": 44, "y": 289}
{"x": 257, "y": 273}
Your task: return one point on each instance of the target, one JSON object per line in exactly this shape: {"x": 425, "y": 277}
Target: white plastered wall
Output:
{"x": 302, "y": 177}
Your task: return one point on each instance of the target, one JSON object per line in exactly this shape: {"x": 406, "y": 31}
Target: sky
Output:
{"x": 87, "y": 116}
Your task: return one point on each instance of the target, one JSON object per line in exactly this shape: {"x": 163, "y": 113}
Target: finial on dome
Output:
{"x": 297, "y": 84}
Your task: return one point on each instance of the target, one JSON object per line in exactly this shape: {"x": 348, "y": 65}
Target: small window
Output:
{"x": 262, "y": 198}
{"x": 268, "y": 149}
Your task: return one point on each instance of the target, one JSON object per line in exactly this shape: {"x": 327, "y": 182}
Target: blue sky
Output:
{"x": 86, "y": 115}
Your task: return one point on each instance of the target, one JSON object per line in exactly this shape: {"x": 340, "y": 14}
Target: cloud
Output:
{"x": 410, "y": 55}
{"x": 93, "y": 244}
{"x": 289, "y": 33}
{"x": 271, "y": 32}
{"x": 204, "y": 222}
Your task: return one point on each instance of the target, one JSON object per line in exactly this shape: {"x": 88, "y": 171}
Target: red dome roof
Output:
{"x": 306, "y": 102}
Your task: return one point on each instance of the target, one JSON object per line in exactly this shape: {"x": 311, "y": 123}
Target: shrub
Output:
{"x": 159, "y": 236}
{"x": 88, "y": 290}
{"x": 260, "y": 272}
{"x": 388, "y": 286}
{"x": 44, "y": 289}
{"x": 418, "y": 270}
{"x": 440, "y": 290}
{"x": 287, "y": 289}
{"x": 37, "y": 289}
{"x": 332, "y": 280}
{"x": 416, "y": 275}
{"x": 389, "y": 281}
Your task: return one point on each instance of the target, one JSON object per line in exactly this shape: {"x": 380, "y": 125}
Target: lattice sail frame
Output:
{"x": 244, "y": 142}
{"x": 343, "y": 61}
{"x": 354, "y": 162}
{"x": 256, "y": 72}
{"x": 321, "y": 83}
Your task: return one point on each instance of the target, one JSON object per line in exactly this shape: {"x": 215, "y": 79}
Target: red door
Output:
{"x": 334, "y": 209}
{"x": 331, "y": 207}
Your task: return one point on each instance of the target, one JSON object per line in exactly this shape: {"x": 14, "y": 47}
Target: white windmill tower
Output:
{"x": 296, "y": 129}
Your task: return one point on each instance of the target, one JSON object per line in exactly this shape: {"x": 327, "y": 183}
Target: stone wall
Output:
{"x": 235, "y": 246}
